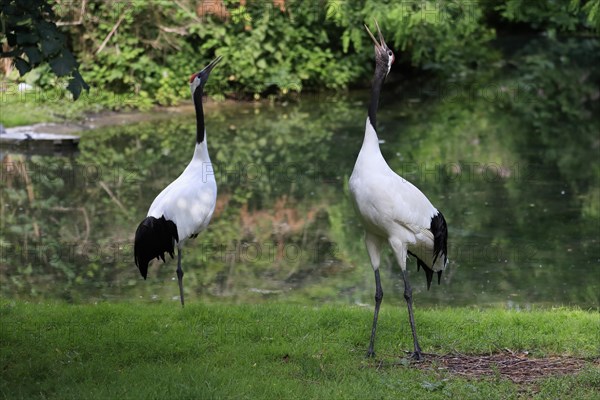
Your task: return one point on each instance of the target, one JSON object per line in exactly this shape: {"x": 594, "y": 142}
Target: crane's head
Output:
{"x": 199, "y": 79}
{"x": 384, "y": 57}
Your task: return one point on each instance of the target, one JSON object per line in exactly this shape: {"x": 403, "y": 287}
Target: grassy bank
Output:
{"x": 274, "y": 351}
{"x": 34, "y": 107}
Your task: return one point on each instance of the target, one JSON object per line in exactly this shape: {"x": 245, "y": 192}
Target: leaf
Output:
{"x": 50, "y": 45}
{"x": 261, "y": 64}
{"x": 11, "y": 39}
{"x": 22, "y": 65}
{"x": 76, "y": 84}
{"x": 74, "y": 87}
{"x": 33, "y": 54}
{"x": 345, "y": 41}
{"x": 63, "y": 64}
{"x": 27, "y": 38}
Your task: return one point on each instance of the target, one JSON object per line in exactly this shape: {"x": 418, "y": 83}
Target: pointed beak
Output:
{"x": 210, "y": 66}
{"x": 381, "y": 44}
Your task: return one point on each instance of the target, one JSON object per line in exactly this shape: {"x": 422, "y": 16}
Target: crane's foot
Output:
{"x": 417, "y": 356}
{"x": 370, "y": 353}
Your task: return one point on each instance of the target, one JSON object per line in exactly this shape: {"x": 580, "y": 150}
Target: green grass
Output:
{"x": 37, "y": 106}
{"x": 273, "y": 351}
{"x": 24, "y": 114}
{"x": 19, "y": 110}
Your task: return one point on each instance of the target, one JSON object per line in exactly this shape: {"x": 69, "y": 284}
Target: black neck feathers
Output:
{"x": 199, "y": 114}
{"x": 378, "y": 79}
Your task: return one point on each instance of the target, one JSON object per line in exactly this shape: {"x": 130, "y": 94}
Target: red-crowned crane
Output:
{"x": 392, "y": 209}
{"x": 184, "y": 208}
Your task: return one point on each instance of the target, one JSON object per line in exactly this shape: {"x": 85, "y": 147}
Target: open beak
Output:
{"x": 381, "y": 45}
{"x": 210, "y": 66}
{"x": 206, "y": 71}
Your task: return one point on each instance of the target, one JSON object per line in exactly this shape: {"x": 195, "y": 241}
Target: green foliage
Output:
{"x": 448, "y": 37}
{"x": 33, "y": 39}
{"x": 268, "y": 50}
{"x": 592, "y": 9}
{"x": 138, "y": 53}
{"x": 553, "y": 16}
{"x": 125, "y": 51}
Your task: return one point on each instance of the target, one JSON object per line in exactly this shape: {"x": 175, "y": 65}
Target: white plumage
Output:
{"x": 189, "y": 201}
{"x": 391, "y": 209}
{"x": 184, "y": 208}
{"x": 389, "y": 206}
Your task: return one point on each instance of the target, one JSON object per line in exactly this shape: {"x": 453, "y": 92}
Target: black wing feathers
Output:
{"x": 154, "y": 237}
{"x": 428, "y": 271}
{"x": 440, "y": 236}
{"x": 440, "y": 245}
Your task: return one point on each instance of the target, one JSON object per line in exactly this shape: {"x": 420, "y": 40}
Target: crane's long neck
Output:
{"x": 378, "y": 79}
{"x": 201, "y": 150}
{"x": 200, "y": 130}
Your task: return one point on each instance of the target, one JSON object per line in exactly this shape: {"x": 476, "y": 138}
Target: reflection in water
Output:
{"x": 523, "y": 230}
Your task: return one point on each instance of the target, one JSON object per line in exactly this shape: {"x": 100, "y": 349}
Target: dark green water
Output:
{"x": 523, "y": 211}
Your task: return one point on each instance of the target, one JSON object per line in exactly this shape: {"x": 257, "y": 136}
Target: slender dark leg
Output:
{"x": 180, "y": 275}
{"x": 408, "y": 296}
{"x": 378, "y": 298}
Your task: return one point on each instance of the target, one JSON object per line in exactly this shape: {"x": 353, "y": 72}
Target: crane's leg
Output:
{"x": 180, "y": 275}
{"x": 401, "y": 251}
{"x": 374, "y": 249}
{"x": 378, "y": 298}
{"x": 408, "y": 297}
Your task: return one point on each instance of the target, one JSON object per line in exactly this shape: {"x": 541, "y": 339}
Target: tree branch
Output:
{"x": 79, "y": 21}
{"x": 112, "y": 31}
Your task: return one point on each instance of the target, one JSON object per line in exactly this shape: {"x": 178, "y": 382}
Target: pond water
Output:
{"x": 522, "y": 212}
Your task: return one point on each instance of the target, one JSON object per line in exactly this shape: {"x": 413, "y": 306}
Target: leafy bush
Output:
{"x": 553, "y": 16}
{"x": 270, "y": 50}
{"x": 31, "y": 39}
{"x": 445, "y": 36}
{"x": 137, "y": 53}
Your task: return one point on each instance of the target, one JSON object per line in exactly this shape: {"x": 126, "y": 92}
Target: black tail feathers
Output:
{"x": 428, "y": 271}
{"x": 153, "y": 238}
{"x": 440, "y": 236}
{"x": 439, "y": 229}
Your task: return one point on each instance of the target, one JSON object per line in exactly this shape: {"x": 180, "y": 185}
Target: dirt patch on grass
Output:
{"x": 520, "y": 368}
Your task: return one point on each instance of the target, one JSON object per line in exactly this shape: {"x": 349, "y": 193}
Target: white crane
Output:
{"x": 392, "y": 209}
{"x": 184, "y": 208}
